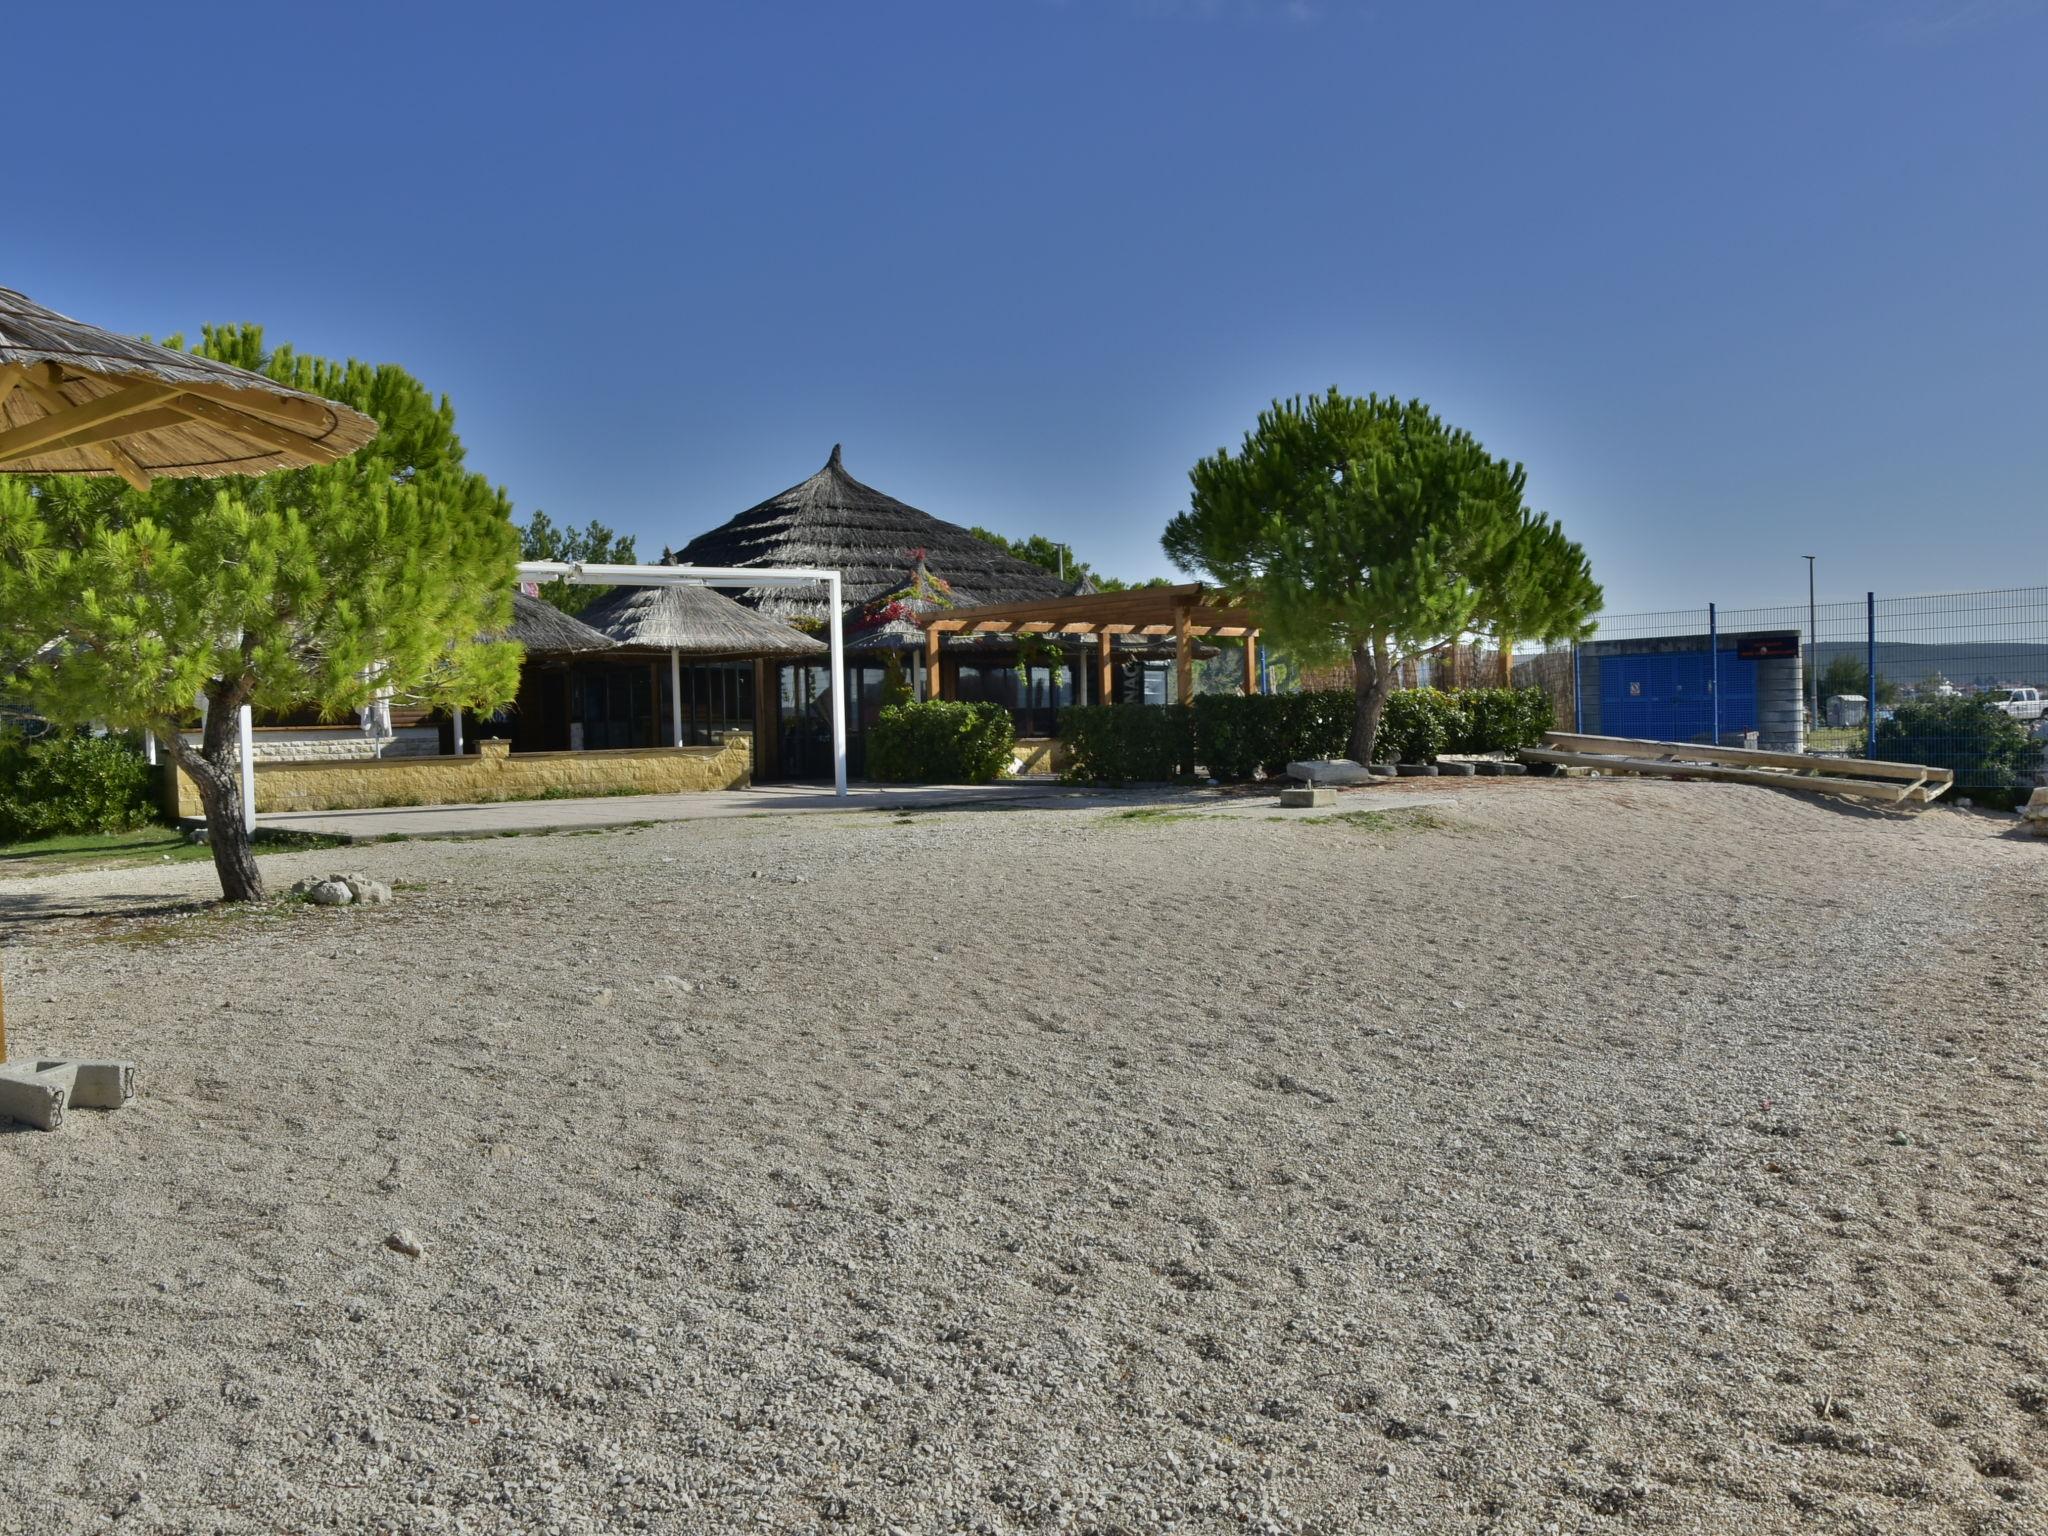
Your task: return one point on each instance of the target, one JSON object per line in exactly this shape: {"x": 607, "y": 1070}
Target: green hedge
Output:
{"x": 941, "y": 741}
{"x": 1122, "y": 743}
{"x": 1984, "y": 746}
{"x": 1502, "y": 719}
{"x": 68, "y": 782}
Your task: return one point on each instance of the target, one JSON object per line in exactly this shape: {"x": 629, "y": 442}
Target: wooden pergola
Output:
{"x": 1186, "y": 612}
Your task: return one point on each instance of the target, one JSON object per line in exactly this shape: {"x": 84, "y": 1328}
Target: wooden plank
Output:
{"x": 931, "y": 662}
{"x": 1251, "y": 664}
{"x": 20, "y": 442}
{"x": 1663, "y": 768}
{"x": 1105, "y": 679}
{"x": 307, "y": 415}
{"x": 1875, "y": 768}
{"x": 992, "y": 627}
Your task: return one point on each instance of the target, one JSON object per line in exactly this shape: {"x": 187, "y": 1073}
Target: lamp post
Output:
{"x": 1813, "y": 650}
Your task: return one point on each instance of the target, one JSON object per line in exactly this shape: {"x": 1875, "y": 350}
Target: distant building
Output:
{"x": 1662, "y": 688}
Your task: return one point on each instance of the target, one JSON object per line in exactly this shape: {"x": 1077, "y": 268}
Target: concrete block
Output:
{"x": 34, "y": 1098}
{"x": 1329, "y": 770}
{"x": 97, "y": 1084}
{"x": 1307, "y": 796}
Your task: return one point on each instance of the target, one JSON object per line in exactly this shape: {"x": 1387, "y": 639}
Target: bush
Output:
{"x": 1503, "y": 719}
{"x": 1419, "y": 724}
{"x": 1120, "y": 743}
{"x": 941, "y": 741}
{"x": 69, "y": 782}
{"x": 1985, "y": 747}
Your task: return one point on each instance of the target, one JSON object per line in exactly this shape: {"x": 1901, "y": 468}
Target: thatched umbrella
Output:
{"x": 77, "y": 400}
{"x": 834, "y": 521}
{"x": 695, "y": 622}
{"x": 542, "y": 629}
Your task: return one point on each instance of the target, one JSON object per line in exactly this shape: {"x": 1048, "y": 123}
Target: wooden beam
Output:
{"x": 1034, "y": 626}
{"x": 53, "y": 430}
{"x": 944, "y": 626}
{"x": 269, "y": 433}
{"x": 107, "y": 431}
{"x": 117, "y": 458}
{"x": 1183, "y": 660}
{"x": 1083, "y": 628}
{"x": 1820, "y": 783}
{"x": 992, "y": 627}
{"x": 931, "y": 662}
{"x": 305, "y": 414}
{"x": 1739, "y": 757}
{"x": 1251, "y": 664}
{"x": 1105, "y": 669}
{"x": 1117, "y": 629}
{"x": 10, "y": 377}
{"x": 1154, "y": 629}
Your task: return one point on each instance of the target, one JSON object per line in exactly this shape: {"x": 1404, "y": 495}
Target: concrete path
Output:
{"x": 616, "y": 810}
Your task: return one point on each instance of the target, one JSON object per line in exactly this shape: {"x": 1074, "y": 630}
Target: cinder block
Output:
{"x": 1306, "y": 796}
{"x": 34, "y": 1098}
{"x": 97, "y": 1084}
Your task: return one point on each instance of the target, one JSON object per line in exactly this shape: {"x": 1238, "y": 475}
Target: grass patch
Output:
{"x": 1383, "y": 821}
{"x": 147, "y": 845}
{"x": 1154, "y": 813}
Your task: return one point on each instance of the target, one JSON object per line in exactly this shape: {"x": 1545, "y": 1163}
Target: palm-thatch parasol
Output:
{"x": 833, "y": 521}
{"x": 77, "y": 400}
{"x": 542, "y": 629}
{"x": 696, "y": 622}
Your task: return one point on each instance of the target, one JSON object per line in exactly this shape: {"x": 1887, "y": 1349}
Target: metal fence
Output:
{"x": 1954, "y": 680}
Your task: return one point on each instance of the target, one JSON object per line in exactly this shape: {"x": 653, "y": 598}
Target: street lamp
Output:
{"x": 1812, "y": 649}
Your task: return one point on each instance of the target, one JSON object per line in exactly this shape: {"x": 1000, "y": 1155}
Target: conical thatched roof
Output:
{"x": 77, "y": 400}
{"x": 696, "y": 621}
{"x": 874, "y": 541}
{"x": 547, "y": 631}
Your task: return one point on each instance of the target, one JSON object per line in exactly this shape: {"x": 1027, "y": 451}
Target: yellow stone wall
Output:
{"x": 494, "y": 773}
{"x": 1038, "y": 754}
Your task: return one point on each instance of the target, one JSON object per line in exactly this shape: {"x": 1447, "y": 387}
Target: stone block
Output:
{"x": 1307, "y": 796}
{"x": 96, "y": 1084}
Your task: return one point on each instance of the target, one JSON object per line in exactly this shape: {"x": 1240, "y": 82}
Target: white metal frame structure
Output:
{"x": 578, "y": 573}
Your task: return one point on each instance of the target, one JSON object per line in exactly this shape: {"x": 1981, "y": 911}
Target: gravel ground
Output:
{"x": 1586, "y": 1155}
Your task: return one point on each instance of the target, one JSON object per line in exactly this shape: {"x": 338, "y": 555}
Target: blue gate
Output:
{"x": 1668, "y": 695}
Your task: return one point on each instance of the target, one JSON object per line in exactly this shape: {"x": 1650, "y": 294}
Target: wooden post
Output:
{"x": 931, "y": 664}
{"x": 1183, "y": 659}
{"x": 1251, "y": 663}
{"x": 1105, "y": 673}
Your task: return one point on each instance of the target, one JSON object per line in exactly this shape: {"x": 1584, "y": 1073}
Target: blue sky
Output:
{"x": 1736, "y": 282}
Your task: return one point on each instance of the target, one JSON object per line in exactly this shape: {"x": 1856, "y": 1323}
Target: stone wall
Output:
{"x": 321, "y": 744}
{"x": 1037, "y": 754}
{"x": 493, "y": 773}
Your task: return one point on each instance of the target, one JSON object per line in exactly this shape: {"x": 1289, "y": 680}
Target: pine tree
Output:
{"x": 321, "y": 587}
{"x": 1369, "y": 528}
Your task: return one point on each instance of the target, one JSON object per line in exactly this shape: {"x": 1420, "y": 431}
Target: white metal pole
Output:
{"x": 248, "y": 732}
{"x": 838, "y": 658}
{"x": 675, "y": 693}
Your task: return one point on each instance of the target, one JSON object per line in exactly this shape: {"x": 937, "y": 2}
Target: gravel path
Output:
{"x": 1585, "y": 1155}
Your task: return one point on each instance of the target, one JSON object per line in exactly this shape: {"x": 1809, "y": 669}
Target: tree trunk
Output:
{"x": 1373, "y": 679}
{"x": 215, "y": 770}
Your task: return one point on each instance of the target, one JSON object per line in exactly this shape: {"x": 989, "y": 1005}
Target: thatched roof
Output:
{"x": 77, "y": 400}
{"x": 872, "y": 540}
{"x": 696, "y": 621}
{"x": 547, "y": 631}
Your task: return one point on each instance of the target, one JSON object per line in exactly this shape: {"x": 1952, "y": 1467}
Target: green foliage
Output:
{"x": 894, "y": 689}
{"x": 1234, "y": 735}
{"x": 1502, "y": 719}
{"x": 1126, "y": 743}
{"x": 1986, "y": 747}
{"x": 941, "y": 741}
{"x": 70, "y": 782}
{"x": 1368, "y": 528}
{"x": 316, "y": 587}
{"x": 540, "y": 539}
{"x": 1846, "y": 673}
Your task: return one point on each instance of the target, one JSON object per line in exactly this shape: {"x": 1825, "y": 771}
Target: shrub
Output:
{"x": 68, "y": 782}
{"x": 1985, "y": 747}
{"x": 941, "y": 741}
{"x": 1419, "y": 724}
{"x": 1503, "y": 719}
{"x": 1120, "y": 743}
